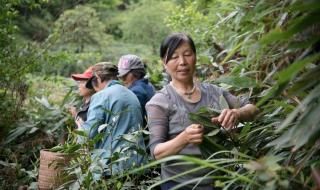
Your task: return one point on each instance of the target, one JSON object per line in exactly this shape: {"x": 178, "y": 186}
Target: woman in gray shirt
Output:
{"x": 172, "y": 132}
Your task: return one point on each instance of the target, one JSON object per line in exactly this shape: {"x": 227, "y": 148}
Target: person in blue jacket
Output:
{"x": 132, "y": 72}
{"x": 114, "y": 111}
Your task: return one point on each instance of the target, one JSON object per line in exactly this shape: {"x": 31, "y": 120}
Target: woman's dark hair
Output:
{"x": 94, "y": 81}
{"x": 138, "y": 73}
{"x": 172, "y": 42}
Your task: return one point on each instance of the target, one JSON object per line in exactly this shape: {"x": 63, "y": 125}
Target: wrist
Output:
{"x": 184, "y": 138}
{"x": 238, "y": 114}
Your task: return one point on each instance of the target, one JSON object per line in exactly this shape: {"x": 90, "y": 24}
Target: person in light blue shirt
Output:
{"x": 116, "y": 112}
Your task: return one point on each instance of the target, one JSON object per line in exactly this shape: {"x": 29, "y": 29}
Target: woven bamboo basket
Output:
{"x": 51, "y": 169}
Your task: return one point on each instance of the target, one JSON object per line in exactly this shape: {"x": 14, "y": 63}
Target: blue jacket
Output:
{"x": 144, "y": 90}
{"x": 116, "y": 111}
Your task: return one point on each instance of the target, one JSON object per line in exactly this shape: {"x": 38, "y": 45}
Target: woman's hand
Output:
{"x": 228, "y": 118}
{"x": 194, "y": 134}
{"x": 79, "y": 123}
{"x": 73, "y": 111}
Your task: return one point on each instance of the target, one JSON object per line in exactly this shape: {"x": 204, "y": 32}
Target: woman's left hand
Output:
{"x": 79, "y": 122}
{"x": 228, "y": 118}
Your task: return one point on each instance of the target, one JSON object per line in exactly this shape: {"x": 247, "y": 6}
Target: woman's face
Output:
{"x": 181, "y": 66}
{"x": 83, "y": 91}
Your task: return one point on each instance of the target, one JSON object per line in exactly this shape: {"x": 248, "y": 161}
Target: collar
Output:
{"x": 111, "y": 83}
{"x": 143, "y": 80}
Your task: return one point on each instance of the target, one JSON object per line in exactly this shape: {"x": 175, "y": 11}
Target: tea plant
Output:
{"x": 91, "y": 169}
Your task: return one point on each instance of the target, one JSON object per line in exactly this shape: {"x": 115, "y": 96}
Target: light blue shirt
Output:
{"x": 116, "y": 111}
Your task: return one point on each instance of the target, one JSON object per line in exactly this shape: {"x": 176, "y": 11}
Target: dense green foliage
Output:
{"x": 145, "y": 23}
{"x": 267, "y": 51}
{"x": 16, "y": 60}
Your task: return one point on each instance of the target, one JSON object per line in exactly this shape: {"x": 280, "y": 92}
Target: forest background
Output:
{"x": 267, "y": 51}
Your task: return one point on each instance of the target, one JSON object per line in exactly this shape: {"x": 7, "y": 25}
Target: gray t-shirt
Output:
{"x": 168, "y": 115}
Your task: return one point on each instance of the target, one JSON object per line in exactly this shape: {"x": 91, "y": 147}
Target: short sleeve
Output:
{"x": 158, "y": 118}
{"x": 233, "y": 101}
{"x": 215, "y": 92}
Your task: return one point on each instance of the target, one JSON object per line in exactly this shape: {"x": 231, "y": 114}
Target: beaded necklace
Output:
{"x": 188, "y": 94}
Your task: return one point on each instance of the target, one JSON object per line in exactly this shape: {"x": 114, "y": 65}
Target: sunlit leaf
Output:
{"x": 80, "y": 133}
{"x": 129, "y": 138}
{"x": 16, "y": 133}
{"x": 230, "y": 54}
{"x": 213, "y": 132}
{"x": 239, "y": 82}
{"x": 44, "y": 101}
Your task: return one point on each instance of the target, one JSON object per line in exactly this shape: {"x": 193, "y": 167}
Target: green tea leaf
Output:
{"x": 80, "y": 133}
{"x": 98, "y": 137}
{"x": 213, "y": 132}
{"x": 295, "y": 67}
{"x": 239, "y": 82}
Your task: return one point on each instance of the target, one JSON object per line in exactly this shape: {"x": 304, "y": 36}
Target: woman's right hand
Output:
{"x": 194, "y": 134}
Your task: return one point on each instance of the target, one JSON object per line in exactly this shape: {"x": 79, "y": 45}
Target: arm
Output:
{"x": 241, "y": 110}
{"x": 158, "y": 110}
{"x": 192, "y": 134}
{"x": 247, "y": 112}
{"x": 229, "y": 117}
